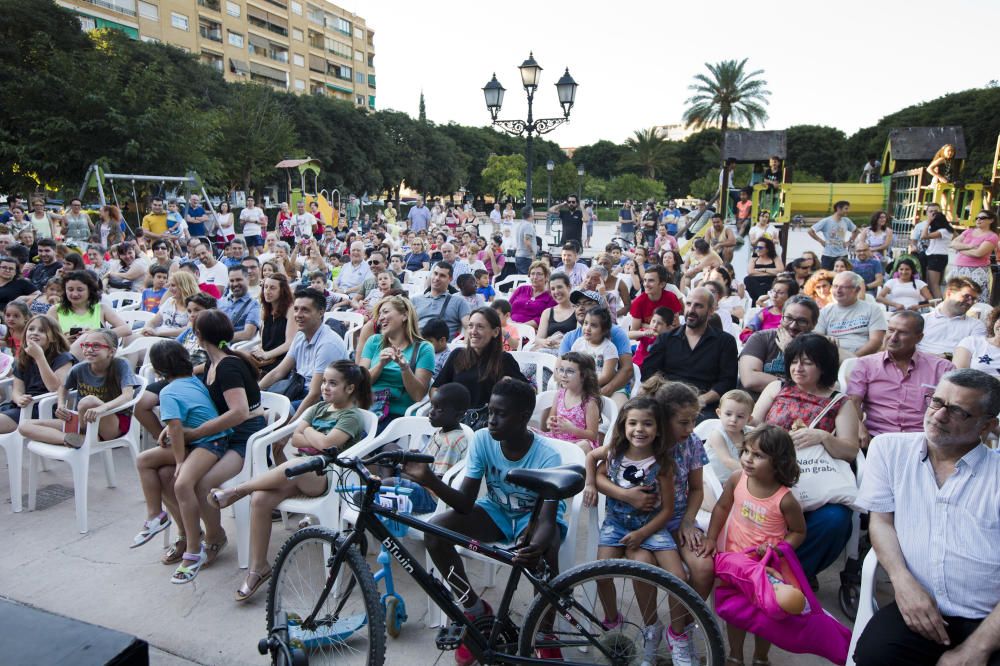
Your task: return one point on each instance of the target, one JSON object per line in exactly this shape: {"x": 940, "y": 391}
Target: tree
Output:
{"x": 422, "y": 111}
{"x": 727, "y": 93}
{"x": 817, "y": 150}
{"x": 601, "y": 159}
{"x": 504, "y": 176}
{"x": 648, "y": 152}
{"x": 254, "y": 134}
{"x": 631, "y": 186}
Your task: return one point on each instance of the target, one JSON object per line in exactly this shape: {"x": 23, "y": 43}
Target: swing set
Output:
{"x": 96, "y": 177}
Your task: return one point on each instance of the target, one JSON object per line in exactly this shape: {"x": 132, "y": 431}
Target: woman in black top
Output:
{"x": 231, "y": 379}
{"x": 277, "y": 326}
{"x": 483, "y": 362}
{"x": 12, "y": 285}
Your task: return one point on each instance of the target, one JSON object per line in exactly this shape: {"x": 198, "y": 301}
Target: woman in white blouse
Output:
{"x": 905, "y": 291}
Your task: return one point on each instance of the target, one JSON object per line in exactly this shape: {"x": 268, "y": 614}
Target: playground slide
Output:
{"x": 817, "y": 199}
{"x": 324, "y": 208}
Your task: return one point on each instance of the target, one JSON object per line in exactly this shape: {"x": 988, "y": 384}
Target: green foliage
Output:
{"x": 818, "y": 150}
{"x": 727, "y": 93}
{"x": 631, "y": 186}
{"x": 601, "y": 159}
{"x": 698, "y": 153}
{"x": 649, "y": 153}
{"x": 255, "y": 130}
{"x": 706, "y": 186}
{"x": 504, "y": 175}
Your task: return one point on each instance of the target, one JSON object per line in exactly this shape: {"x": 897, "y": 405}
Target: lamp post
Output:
{"x": 580, "y": 173}
{"x": 549, "y": 168}
{"x": 530, "y": 74}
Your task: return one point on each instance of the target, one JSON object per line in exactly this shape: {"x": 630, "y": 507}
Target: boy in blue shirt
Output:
{"x": 484, "y": 288}
{"x": 151, "y": 296}
{"x": 503, "y": 515}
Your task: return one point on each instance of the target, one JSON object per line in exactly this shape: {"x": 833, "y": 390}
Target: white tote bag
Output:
{"x": 823, "y": 479}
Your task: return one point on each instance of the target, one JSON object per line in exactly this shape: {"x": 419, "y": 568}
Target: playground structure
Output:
{"x": 96, "y": 177}
{"x": 310, "y": 167}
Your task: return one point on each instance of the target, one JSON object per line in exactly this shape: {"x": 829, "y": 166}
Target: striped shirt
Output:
{"x": 949, "y": 536}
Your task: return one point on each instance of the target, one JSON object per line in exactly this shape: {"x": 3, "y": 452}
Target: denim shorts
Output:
{"x": 617, "y": 525}
{"x": 243, "y": 432}
{"x": 513, "y": 524}
{"x": 216, "y": 447}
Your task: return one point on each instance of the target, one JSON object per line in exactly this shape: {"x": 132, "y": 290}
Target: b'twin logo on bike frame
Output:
{"x": 394, "y": 550}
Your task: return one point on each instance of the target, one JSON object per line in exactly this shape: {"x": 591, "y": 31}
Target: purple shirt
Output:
{"x": 525, "y": 308}
{"x": 892, "y": 401}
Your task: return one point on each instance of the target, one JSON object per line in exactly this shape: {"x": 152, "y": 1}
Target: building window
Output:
{"x": 149, "y": 40}
{"x": 297, "y": 9}
{"x": 359, "y": 56}
{"x": 342, "y": 25}
{"x": 232, "y": 9}
{"x": 299, "y": 59}
{"x": 360, "y": 100}
{"x": 212, "y": 60}
{"x": 300, "y": 84}
{"x": 338, "y": 48}
{"x": 214, "y": 5}
{"x": 87, "y": 23}
{"x": 359, "y": 77}
{"x": 359, "y": 33}
{"x": 235, "y": 39}
{"x": 315, "y": 16}
{"x": 148, "y": 11}
{"x": 297, "y": 35}
{"x": 178, "y": 21}
{"x": 210, "y": 30}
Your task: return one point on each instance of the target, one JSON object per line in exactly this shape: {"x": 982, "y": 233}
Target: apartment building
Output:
{"x": 306, "y": 47}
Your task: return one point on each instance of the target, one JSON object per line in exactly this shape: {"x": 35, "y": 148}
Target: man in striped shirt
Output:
{"x": 934, "y": 503}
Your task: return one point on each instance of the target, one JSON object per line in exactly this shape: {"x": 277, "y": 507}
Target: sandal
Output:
{"x": 175, "y": 553}
{"x": 734, "y": 660}
{"x": 151, "y": 528}
{"x": 212, "y": 550}
{"x": 221, "y": 499}
{"x": 761, "y": 662}
{"x": 192, "y": 564}
{"x": 73, "y": 440}
{"x": 246, "y": 591}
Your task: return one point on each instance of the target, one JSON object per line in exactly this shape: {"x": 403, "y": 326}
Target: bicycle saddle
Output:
{"x": 551, "y": 483}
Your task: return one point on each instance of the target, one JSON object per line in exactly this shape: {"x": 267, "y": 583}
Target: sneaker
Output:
{"x": 651, "y": 643}
{"x": 551, "y": 653}
{"x": 680, "y": 648}
{"x": 463, "y": 655}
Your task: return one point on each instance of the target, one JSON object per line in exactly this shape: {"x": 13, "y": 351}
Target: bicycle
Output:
{"x": 323, "y": 607}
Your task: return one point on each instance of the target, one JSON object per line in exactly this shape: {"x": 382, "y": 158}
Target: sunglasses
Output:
{"x": 982, "y": 217}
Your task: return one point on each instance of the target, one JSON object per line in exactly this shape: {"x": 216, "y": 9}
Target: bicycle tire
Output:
{"x": 300, "y": 573}
{"x": 621, "y": 639}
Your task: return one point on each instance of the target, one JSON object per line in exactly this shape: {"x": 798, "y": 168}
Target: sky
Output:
{"x": 843, "y": 64}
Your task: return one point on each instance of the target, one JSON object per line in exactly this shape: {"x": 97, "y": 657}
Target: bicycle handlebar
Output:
{"x": 319, "y": 463}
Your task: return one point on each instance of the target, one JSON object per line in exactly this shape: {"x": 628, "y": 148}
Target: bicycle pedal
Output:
{"x": 449, "y": 637}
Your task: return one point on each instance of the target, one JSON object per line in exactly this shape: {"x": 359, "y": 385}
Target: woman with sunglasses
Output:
{"x": 974, "y": 247}
{"x": 764, "y": 266}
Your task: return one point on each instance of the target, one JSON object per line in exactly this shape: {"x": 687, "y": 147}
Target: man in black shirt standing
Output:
{"x": 696, "y": 353}
{"x": 572, "y": 219}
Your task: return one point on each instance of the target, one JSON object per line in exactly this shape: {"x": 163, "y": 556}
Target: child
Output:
{"x": 43, "y": 362}
{"x": 317, "y": 281}
{"x": 396, "y": 268}
{"x": 663, "y": 320}
{"x": 575, "y": 415}
{"x": 743, "y": 208}
{"x": 448, "y": 445}
{"x": 503, "y": 515}
{"x": 436, "y": 332}
{"x": 724, "y": 443}
{"x": 102, "y": 383}
{"x": 383, "y": 287}
{"x": 596, "y": 343}
{"x": 177, "y": 229}
{"x": 53, "y": 295}
{"x": 332, "y": 425}
{"x": 333, "y": 263}
{"x": 151, "y": 296}
{"x": 511, "y": 336}
{"x": 757, "y": 509}
{"x": 638, "y": 481}
{"x": 483, "y": 286}
{"x": 467, "y": 288}
{"x": 185, "y": 403}
{"x": 15, "y": 317}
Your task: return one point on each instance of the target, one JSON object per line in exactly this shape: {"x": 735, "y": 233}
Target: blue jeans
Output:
{"x": 522, "y": 264}
{"x": 827, "y": 530}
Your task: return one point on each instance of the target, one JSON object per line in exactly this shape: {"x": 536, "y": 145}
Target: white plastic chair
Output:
{"x": 13, "y": 444}
{"x": 980, "y": 311}
{"x": 844, "y": 374}
{"x": 248, "y": 345}
{"x": 540, "y": 360}
{"x": 526, "y": 333}
{"x": 675, "y": 290}
{"x": 132, "y": 316}
{"x": 866, "y": 602}
{"x": 545, "y": 400}
{"x": 418, "y": 277}
{"x": 353, "y": 320}
{"x": 507, "y": 285}
{"x": 636, "y": 380}
{"x": 79, "y": 459}
{"x": 125, "y": 300}
{"x": 326, "y": 507}
{"x": 137, "y": 351}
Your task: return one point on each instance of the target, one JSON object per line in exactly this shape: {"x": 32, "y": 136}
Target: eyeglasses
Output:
{"x": 93, "y": 346}
{"x": 954, "y": 411}
{"x": 760, "y": 247}
{"x": 801, "y": 322}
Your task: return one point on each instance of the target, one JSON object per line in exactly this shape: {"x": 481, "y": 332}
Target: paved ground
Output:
{"x": 98, "y": 579}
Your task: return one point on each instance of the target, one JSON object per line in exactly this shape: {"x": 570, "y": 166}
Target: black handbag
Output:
{"x": 292, "y": 387}
{"x": 476, "y": 417}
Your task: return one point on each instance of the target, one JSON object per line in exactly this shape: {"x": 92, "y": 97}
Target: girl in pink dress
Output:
{"x": 575, "y": 416}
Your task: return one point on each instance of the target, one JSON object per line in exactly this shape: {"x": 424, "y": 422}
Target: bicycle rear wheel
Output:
{"x": 592, "y": 595}
{"x": 350, "y": 626}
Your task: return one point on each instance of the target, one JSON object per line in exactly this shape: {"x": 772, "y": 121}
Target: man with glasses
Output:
{"x": 762, "y": 360}
{"x": 933, "y": 499}
{"x": 891, "y": 386}
{"x": 572, "y": 219}
{"x": 947, "y": 324}
{"x": 855, "y": 325}
{"x": 12, "y": 285}
{"x": 252, "y": 264}
{"x": 378, "y": 265}
{"x": 353, "y": 273}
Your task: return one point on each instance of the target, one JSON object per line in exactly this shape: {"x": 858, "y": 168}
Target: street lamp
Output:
{"x": 550, "y": 166}
{"x": 580, "y": 173}
{"x": 531, "y": 72}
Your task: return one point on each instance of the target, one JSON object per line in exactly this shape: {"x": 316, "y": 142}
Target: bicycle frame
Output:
{"x": 480, "y": 645}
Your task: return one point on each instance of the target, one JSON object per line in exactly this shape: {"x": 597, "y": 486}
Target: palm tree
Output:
{"x": 727, "y": 93}
{"x": 648, "y": 152}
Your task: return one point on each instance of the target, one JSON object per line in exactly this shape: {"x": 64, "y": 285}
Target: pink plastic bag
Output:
{"x": 745, "y": 599}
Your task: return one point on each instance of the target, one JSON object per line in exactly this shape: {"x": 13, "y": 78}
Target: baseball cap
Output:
{"x": 579, "y": 294}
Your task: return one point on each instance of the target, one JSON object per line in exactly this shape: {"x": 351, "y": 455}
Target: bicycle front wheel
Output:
{"x": 349, "y": 627}
{"x": 618, "y": 612}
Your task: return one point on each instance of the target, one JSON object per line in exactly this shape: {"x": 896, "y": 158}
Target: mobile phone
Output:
{"x": 76, "y": 330}
{"x": 73, "y": 424}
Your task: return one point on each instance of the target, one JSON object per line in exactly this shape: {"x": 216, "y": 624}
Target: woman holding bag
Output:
{"x": 807, "y": 405}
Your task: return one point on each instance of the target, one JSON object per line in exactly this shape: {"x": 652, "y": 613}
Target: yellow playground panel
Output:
{"x": 817, "y": 199}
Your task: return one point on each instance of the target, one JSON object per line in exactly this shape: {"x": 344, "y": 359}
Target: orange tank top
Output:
{"x": 753, "y": 520}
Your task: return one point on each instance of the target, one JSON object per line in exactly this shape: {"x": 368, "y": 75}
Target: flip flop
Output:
{"x": 186, "y": 573}
{"x": 246, "y": 591}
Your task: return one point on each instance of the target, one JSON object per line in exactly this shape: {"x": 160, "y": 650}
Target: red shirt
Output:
{"x": 643, "y": 308}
